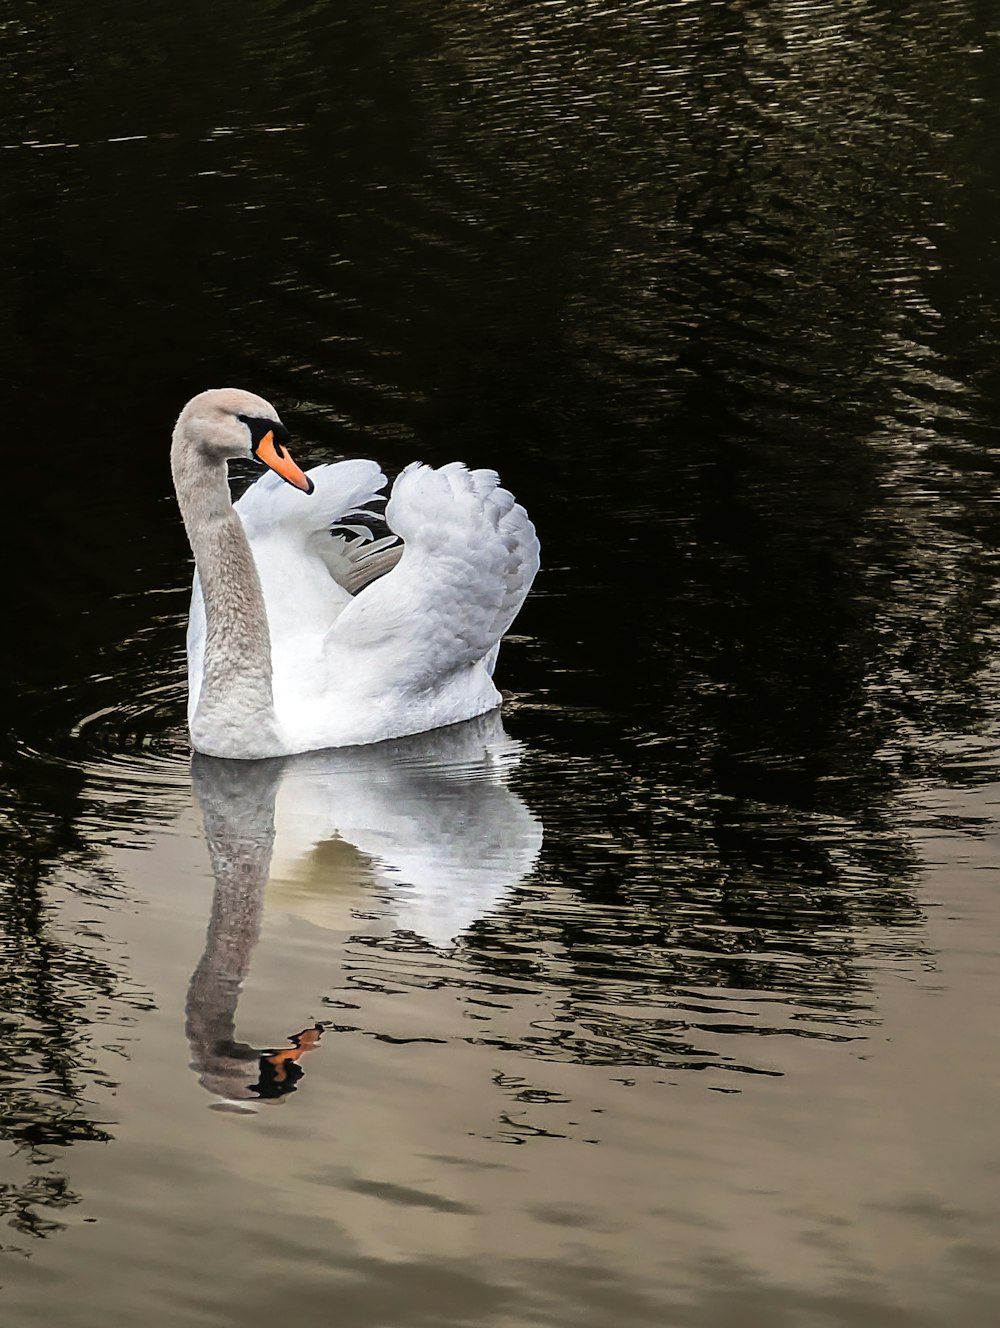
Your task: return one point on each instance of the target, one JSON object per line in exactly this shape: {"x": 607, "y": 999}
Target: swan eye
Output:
{"x": 260, "y": 428}
{"x": 267, "y": 439}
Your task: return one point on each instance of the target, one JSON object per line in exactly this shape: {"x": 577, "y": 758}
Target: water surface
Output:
{"x": 668, "y": 998}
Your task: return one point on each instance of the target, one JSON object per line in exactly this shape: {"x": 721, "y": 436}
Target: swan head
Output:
{"x": 226, "y": 422}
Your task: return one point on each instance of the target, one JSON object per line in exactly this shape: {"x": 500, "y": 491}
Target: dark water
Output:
{"x": 672, "y": 1001}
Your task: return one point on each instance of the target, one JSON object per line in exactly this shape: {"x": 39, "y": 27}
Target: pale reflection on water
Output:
{"x": 427, "y": 825}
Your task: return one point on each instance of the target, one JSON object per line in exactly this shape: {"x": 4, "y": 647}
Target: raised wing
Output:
{"x": 470, "y": 555}
{"x": 340, "y": 489}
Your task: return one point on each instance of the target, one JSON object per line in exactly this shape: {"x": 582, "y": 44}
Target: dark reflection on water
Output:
{"x": 716, "y": 286}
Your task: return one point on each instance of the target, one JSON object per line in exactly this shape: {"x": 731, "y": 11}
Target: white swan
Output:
{"x": 300, "y": 639}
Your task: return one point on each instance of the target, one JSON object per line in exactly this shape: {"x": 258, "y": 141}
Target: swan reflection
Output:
{"x": 427, "y": 823}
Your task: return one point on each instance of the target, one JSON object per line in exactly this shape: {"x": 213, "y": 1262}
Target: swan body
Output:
{"x": 301, "y": 639}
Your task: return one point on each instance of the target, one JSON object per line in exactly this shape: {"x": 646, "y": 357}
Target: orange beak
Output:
{"x": 279, "y": 459}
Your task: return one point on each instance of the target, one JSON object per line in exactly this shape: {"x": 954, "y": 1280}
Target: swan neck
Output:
{"x": 235, "y": 711}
